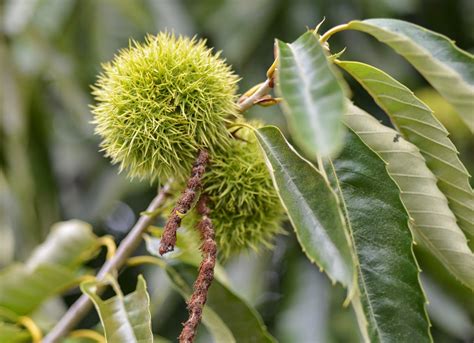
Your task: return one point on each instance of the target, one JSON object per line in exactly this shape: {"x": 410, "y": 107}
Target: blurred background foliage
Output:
{"x": 51, "y": 169}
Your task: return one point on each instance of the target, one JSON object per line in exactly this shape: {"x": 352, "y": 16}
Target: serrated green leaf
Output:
{"x": 69, "y": 244}
{"x": 416, "y": 122}
{"x": 449, "y": 69}
{"x": 391, "y": 306}
{"x": 127, "y": 318}
{"x": 12, "y": 333}
{"x": 22, "y": 289}
{"x": 434, "y": 224}
{"x": 313, "y": 98}
{"x": 312, "y": 207}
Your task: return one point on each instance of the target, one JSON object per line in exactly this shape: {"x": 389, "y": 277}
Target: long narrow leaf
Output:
{"x": 416, "y": 122}
{"x": 449, "y": 69}
{"x": 434, "y": 225}
{"x": 312, "y": 207}
{"x": 392, "y": 303}
{"x": 312, "y": 94}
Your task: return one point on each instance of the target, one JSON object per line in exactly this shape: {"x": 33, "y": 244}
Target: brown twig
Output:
{"x": 184, "y": 203}
{"x": 205, "y": 275}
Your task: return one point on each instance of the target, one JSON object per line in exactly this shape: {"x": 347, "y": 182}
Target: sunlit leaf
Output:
{"x": 390, "y": 305}
{"x": 416, "y": 122}
{"x": 124, "y": 318}
{"x": 434, "y": 224}
{"x": 312, "y": 207}
{"x": 449, "y": 69}
{"x": 313, "y": 98}
{"x": 69, "y": 244}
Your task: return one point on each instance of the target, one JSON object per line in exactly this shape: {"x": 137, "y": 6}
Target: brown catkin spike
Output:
{"x": 184, "y": 203}
{"x": 205, "y": 275}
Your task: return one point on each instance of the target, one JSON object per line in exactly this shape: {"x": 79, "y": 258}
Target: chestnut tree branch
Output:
{"x": 128, "y": 245}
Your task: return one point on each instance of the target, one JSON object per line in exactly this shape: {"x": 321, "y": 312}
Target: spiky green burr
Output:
{"x": 245, "y": 209}
{"x": 161, "y": 101}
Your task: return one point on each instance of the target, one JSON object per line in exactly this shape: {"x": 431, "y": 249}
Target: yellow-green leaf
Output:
{"x": 127, "y": 318}
{"x": 449, "y": 69}
{"x": 12, "y": 333}
{"x": 416, "y": 122}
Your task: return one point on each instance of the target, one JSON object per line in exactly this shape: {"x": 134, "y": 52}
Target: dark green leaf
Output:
{"x": 312, "y": 207}
{"x": 313, "y": 96}
{"x": 391, "y": 302}
{"x": 434, "y": 225}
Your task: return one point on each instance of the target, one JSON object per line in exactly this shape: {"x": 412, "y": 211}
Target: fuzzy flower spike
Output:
{"x": 160, "y": 102}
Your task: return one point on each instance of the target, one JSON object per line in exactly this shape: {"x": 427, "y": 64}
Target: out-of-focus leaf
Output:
{"x": 125, "y": 319}
{"x": 312, "y": 207}
{"x": 242, "y": 321}
{"x": 449, "y": 69}
{"x": 22, "y": 289}
{"x": 186, "y": 250}
{"x": 416, "y": 123}
{"x": 68, "y": 244}
{"x": 52, "y": 267}
{"x": 434, "y": 224}
{"x": 390, "y": 305}
{"x": 313, "y": 97}
{"x": 305, "y": 307}
{"x": 78, "y": 340}
{"x": 448, "y": 313}
{"x": 227, "y": 316}
{"x": 238, "y": 38}
{"x": 11, "y": 333}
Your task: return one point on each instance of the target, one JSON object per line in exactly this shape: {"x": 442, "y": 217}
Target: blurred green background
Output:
{"x": 51, "y": 169}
